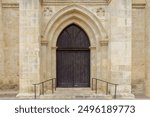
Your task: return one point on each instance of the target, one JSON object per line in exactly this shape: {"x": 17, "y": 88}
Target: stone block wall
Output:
{"x": 9, "y": 44}
{"x": 29, "y": 45}
{"x": 1, "y": 49}
{"x": 138, "y": 50}
{"x": 147, "y": 81}
{"x": 120, "y": 45}
{"x": 128, "y": 63}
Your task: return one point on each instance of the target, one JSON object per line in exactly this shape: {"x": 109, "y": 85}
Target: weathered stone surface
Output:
{"x": 29, "y": 46}
{"x": 139, "y": 1}
{"x": 138, "y": 50}
{"x": 120, "y": 43}
{"x": 147, "y": 80}
{"x": 1, "y": 49}
{"x": 10, "y": 1}
{"x": 9, "y": 52}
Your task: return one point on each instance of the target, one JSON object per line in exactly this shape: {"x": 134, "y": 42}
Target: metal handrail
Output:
{"x": 107, "y": 83}
{"x": 42, "y": 84}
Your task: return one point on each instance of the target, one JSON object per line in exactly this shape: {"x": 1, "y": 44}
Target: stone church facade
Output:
{"x": 114, "y": 33}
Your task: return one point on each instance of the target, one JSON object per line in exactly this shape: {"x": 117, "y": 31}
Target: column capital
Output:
{"x": 104, "y": 42}
{"x": 44, "y": 42}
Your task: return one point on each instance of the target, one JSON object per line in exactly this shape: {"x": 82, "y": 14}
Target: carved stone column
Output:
{"x": 93, "y": 65}
{"x": 104, "y": 63}
{"x": 104, "y": 59}
{"x": 43, "y": 67}
{"x": 53, "y": 62}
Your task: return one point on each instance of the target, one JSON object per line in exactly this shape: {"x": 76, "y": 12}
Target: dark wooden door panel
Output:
{"x": 64, "y": 69}
{"x": 73, "y": 37}
{"x": 73, "y": 68}
{"x": 73, "y": 58}
{"x": 81, "y": 68}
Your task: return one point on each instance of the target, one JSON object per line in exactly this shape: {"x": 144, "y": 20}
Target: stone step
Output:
{"x": 75, "y": 93}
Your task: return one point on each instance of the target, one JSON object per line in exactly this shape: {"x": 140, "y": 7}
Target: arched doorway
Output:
{"x": 73, "y": 58}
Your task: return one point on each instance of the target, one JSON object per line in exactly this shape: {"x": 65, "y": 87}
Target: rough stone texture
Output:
{"x": 115, "y": 56}
{"x": 11, "y": 40}
{"x": 120, "y": 45}
{"x": 147, "y": 81}
{"x": 1, "y": 49}
{"x": 138, "y": 50}
{"x": 82, "y": 17}
{"x": 29, "y": 46}
{"x": 10, "y": 1}
{"x": 138, "y": 1}
{"x": 10, "y": 31}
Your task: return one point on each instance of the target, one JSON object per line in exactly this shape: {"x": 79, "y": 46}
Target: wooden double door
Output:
{"x": 73, "y": 58}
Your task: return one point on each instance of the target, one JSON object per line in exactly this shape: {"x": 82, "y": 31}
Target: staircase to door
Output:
{"x": 75, "y": 94}
{"x": 73, "y": 69}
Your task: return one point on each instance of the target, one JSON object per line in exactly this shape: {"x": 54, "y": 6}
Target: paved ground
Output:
{"x": 142, "y": 97}
{"x": 11, "y": 95}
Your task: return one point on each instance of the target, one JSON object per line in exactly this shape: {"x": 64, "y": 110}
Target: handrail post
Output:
{"x": 96, "y": 86}
{"x": 34, "y": 91}
{"x": 115, "y": 90}
{"x": 52, "y": 86}
{"x": 55, "y": 84}
{"x": 42, "y": 88}
{"x": 92, "y": 83}
{"x": 107, "y": 89}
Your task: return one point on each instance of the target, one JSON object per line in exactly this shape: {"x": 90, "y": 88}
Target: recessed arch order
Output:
{"x": 86, "y": 20}
{"x": 79, "y": 16}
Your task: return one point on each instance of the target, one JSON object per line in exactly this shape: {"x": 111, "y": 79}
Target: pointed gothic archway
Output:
{"x": 73, "y": 58}
{"x": 88, "y": 22}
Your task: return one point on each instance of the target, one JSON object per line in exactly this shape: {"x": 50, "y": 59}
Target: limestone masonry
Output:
{"x": 118, "y": 32}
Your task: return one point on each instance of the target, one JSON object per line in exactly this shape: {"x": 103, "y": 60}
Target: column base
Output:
{"x": 25, "y": 95}
{"x": 147, "y": 88}
{"x": 125, "y": 96}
